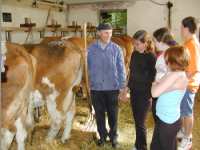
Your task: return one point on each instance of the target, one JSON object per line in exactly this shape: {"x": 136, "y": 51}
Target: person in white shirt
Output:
{"x": 163, "y": 39}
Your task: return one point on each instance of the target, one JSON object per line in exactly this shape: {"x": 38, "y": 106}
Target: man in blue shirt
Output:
{"x": 107, "y": 79}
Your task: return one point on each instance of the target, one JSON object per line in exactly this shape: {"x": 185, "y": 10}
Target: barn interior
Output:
{"x": 28, "y": 22}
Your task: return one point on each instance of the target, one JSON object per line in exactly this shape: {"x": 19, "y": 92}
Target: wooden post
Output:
{"x": 85, "y": 65}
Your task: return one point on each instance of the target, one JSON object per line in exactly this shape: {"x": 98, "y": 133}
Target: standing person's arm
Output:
{"x": 89, "y": 59}
{"x": 130, "y": 71}
{"x": 121, "y": 70}
{"x": 122, "y": 76}
{"x": 165, "y": 84}
{"x": 193, "y": 70}
{"x": 193, "y": 62}
{"x": 152, "y": 69}
{"x": 89, "y": 63}
{"x": 161, "y": 67}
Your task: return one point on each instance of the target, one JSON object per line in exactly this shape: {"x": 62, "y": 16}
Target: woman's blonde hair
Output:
{"x": 144, "y": 37}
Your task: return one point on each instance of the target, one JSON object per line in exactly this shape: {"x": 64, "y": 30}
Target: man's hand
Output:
{"x": 123, "y": 95}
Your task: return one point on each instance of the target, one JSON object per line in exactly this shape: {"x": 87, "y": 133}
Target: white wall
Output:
{"x": 148, "y": 16}
{"x": 182, "y": 9}
{"x": 37, "y": 15}
{"x": 83, "y": 14}
{"x": 145, "y": 15}
{"x": 142, "y": 14}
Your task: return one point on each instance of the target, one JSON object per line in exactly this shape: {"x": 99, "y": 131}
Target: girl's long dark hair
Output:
{"x": 164, "y": 35}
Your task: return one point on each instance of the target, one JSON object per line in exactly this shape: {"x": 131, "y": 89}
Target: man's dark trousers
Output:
{"x": 106, "y": 101}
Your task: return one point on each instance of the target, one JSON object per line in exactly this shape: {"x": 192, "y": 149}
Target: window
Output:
{"x": 7, "y": 17}
{"x": 118, "y": 19}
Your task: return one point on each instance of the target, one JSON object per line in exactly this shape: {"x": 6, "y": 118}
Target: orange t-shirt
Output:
{"x": 193, "y": 69}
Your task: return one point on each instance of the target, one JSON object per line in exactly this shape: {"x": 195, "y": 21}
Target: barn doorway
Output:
{"x": 118, "y": 19}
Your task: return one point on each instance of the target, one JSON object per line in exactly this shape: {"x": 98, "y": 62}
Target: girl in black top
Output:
{"x": 142, "y": 74}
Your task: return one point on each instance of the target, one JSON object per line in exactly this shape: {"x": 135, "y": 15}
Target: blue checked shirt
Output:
{"x": 106, "y": 67}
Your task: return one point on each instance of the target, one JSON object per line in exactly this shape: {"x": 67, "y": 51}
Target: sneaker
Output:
{"x": 180, "y": 134}
{"x": 186, "y": 144}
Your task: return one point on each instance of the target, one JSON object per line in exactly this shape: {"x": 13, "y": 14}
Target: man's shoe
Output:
{"x": 100, "y": 142}
{"x": 114, "y": 143}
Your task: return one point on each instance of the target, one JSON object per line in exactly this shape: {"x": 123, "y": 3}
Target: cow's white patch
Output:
{"x": 35, "y": 101}
{"x": 68, "y": 126}
{"x": 21, "y": 134}
{"x": 36, "y": 96}
{"x": 3, "y": 55}
{"x": 65, "y": 37}
{"x": 55, "y": 115}
{"x": 51, "y": 106}
{"x": 63, "y": 40}
{"x": 6, "y": 139}
{"x": 46, "y": 81}
{"x": 3, "y": 47}
{"x": 3, "y": 59}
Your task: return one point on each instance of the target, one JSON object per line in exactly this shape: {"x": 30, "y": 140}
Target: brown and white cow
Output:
{"x": 59, "y": 70}
{"x": 15, "y": 95}
{"x": 124, "y": 41}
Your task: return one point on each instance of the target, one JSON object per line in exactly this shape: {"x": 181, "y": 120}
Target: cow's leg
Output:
{"x": 30, "y": 121}
{"x": 21, "y": 134}
{"x": 29, "y": 118}
{"x": 55, "y": 115}
{"x": 69, "y": 107}
{"x": 6, "y": 139}
{"x": 68, "y": 123}
{"x": 53, "y": 131}
{"x": 56, "y": 119}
